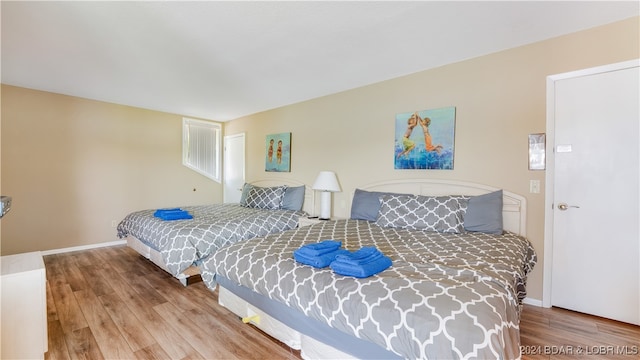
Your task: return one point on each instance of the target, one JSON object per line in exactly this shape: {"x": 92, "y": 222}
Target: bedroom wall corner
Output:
{"x": 76, "y": 167}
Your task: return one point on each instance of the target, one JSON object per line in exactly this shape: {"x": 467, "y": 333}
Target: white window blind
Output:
{"x": 201, "y": 147}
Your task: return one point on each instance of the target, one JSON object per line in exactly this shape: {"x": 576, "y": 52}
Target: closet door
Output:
{"x": 234, "y": 167}
{"x": 596, "y": 254}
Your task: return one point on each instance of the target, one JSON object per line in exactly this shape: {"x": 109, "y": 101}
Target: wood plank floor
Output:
{"x": 110, "y": 303}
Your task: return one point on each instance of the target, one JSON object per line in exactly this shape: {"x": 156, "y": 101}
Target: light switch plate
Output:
{"x": 534, "y": 186}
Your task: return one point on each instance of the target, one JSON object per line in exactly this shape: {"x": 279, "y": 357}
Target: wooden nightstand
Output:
{"x": 306, "y": 221}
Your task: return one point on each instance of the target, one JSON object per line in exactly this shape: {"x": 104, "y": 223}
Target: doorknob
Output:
{"x": 564, "y": 207}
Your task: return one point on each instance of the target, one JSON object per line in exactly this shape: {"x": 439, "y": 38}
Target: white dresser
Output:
{"x": 23, "y": 306}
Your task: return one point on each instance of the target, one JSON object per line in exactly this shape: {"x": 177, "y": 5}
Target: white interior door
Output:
{"x": 233, "y": 176}
{"x": 595, "y": 250}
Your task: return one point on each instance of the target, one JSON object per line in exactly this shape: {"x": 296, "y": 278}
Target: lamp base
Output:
{"x": 325, "y": 205}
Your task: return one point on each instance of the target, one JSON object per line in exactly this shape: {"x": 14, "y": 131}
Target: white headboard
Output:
{"x": 309, "y": 198}
{"x": 514, "y": 209}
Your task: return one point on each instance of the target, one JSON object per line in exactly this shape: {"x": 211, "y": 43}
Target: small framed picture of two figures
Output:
{"x": 278, "y": 152}
{"x": 425, "y": 139}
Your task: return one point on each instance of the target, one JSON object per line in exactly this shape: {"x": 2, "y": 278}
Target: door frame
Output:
{"x": 550, "y": 166}
{"x": 244, "y": 156}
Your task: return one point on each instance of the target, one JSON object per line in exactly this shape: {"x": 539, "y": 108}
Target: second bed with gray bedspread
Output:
{"x": 183, "y": 242}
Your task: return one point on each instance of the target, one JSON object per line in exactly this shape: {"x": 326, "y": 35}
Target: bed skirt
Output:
{"x": 153, "y": 255}
{"x": 315, "y": 340}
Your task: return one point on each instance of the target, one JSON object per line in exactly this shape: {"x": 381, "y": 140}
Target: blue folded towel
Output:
{"x": 165, "y": 211}
{"x": 320, "y": 248}
{"x": 172, "y": 214}
{"x": 363, "y": 263}
{"x": 176, "y": 216}
{"x": 362, "y": 256}
{"x": 318, "y": 261}
{"x": 362, "y": 270}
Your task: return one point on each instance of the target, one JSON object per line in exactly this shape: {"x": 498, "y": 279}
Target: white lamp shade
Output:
{"x": 326, "y": 181}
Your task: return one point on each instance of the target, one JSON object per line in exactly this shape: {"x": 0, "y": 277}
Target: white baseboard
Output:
{"x": 83, "y": 247}
{"x": 534, "y": 302}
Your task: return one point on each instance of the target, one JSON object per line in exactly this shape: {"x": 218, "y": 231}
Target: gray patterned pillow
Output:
{"x": 366, "y": 204}
{"x": 265, "y": 197}
{"x": 415, "y": 212}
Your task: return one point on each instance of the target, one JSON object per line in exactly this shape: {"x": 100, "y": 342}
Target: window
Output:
{"x": 201, "y": 147}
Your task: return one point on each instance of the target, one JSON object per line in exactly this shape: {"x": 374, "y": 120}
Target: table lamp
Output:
{"x": 326, "y": 183}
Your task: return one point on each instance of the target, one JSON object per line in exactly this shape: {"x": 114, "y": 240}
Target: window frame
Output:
{"x": 195, "y": 152}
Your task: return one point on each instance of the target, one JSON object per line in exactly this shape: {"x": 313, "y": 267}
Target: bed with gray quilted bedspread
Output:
{"x": 181, "y": 243}
{"x": 446, "y": 295}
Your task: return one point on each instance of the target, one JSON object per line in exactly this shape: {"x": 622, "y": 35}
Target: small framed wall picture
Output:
{"x": 537, "y": 144}
{"x": 278, "y": 152}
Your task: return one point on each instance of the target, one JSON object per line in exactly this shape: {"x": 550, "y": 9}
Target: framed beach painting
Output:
{"x": 278, "y": 153}
{"x": 425, "y": 139}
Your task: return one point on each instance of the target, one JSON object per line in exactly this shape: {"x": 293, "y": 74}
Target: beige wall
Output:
{"x": 499, "y": 99}
{"x": 75, "y": 166}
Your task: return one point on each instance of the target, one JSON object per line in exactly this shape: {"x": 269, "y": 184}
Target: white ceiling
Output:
{"x": 223, "y": 60}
